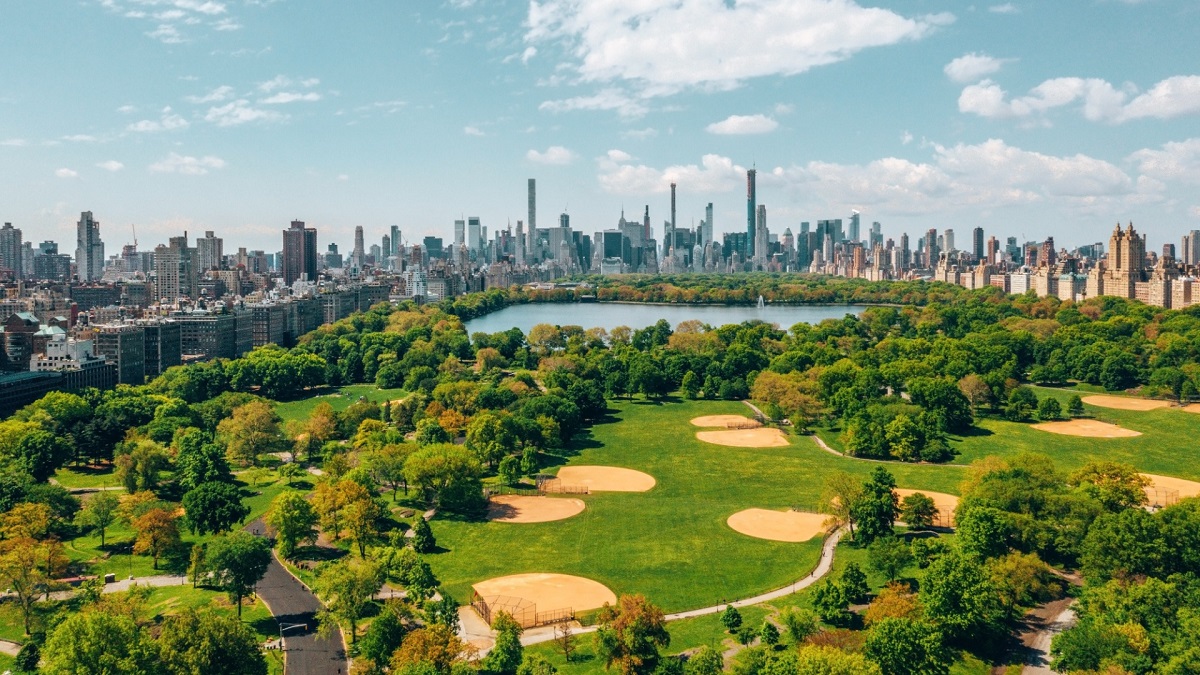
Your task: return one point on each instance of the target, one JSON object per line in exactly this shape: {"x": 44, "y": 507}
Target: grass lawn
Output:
{"x": 671, "y": 543}
{"x": 339, "y": 398}
{"x": 86, "y": 477}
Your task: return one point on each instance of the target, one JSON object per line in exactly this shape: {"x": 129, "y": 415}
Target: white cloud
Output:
{"x": 1101, "y": 101}
{"x": 66, "y": 173}
{"x": 473, "y": 131}
{"x": 714, "y": 174}
{"x": 618, "y": 156}
{"x": 14, "y": 143}
{"x": 342, "y": 177}
{"x": 168, "y": 121}
{"x": 187, "y": 165}
{"x": 1175, "y": 161}
{"x": 1006, "y": 8}
{"x": 166, "y": 34}
{"x": 217, "y": 95}
{"x": 227, "y": 25}
{"x": 283, "y": 81}
{"x": 290, "y": 97}
{"x": 111, "y": 165}
{"x": 665, "y": 47}
{"x": 555, "y": 155}
{"x": 738, "y": 125}
{"x": 126, "y": 109}
{"x": 972, "y": 67}
{"x": 240, "y": 112}
{"x": 784, "y": 108}
{"x": 906, "y": 137}
{"x": 605, "y": 99}
{"x": 80, "y": 138}
{"x": 640, "y": 134}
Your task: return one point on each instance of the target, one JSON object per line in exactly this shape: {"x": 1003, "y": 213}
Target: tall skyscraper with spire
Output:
{"x": 751, "y": 211}
{"x": 89, "y": 250}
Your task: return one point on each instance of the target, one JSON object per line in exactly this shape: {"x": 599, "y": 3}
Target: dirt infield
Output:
{"x": 790, "y": 526}
{"x": 1192, "y": 408}
{"x": 1125, "y": 403}
{"x": 606, "y": 478}
{"x": 946, "y": 503}
{"x": 1178, "y": 487}
{"x": 723, "y": 421}
{"x": 1088, "y": 428}
{"x": 548, "y": 592}
{"x": 745, "y": 438}
{"x": 519, "y": 509}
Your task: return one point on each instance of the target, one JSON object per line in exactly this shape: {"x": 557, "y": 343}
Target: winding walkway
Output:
{"x": 824, "y": 565}
{"x": 295, "y": 610}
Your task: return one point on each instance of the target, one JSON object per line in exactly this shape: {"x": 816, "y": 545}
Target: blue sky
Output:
{"x": 1027, "y": 118}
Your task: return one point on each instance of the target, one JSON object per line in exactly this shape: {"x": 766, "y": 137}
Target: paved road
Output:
{"x": 291, "y": 603}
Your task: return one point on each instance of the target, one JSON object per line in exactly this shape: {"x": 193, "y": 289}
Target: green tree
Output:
{"x": 238, "y": 561}
{"x": 731, "y": 619}
{"x": 982, "y": 530}
{"x": 252, "y": 430}
{"x": 534, "y": 664}
{"x": 690, "y": 385}
{"x": 831, "y": 604}
{"x": 1021, "y": 404}
{"x": 1122, "y": 545}
{"x": 875, "y": 512}
{"x": 490, "y": 438}
{"x": 348, "y": 587}
{"x": 442, "y": 469}
{"x": 41, "y": 453}
{"x": 769, "y": 634}
{"x": 960, "y": 598}
{"x": 705, "y": 661}
{"x": 630, "y": 635}
{"x": 821, "y": 660}
{"x": 201, "y": 642}
{"x": 800, "y": 623}
{"x": 138, "y": 467}
{"x": 1115, "y": 485}
{"x": 507, "y": 653}
{"x": 854, "y": 583}
{"x": 196, "y": 461}
{"x": 99, "y": 643}
{"x": 1049, "y": 409}
{"x": 98, "y": 513}
{"x": 429, "y": 432}
{"x": 907, "y": 647}
{"x": 213, "y": 507}
{"x": 918, "y": 511}
{"x": 385, "y": 634}
{"x": 889, "y": 556}
{"x": 510, "y": 470}
{"x": 294, "y": 521}
{"x": 422, "y": 539}
{"x": 1075, "y": 406}
{"x": 25, "y": 570}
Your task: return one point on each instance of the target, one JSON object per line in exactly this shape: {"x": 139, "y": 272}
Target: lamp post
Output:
{"x": 284, "y": 627}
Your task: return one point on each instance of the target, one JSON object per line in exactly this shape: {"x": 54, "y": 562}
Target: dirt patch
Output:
{"x": 519, "y": 509}
{"x": 726, "y": 421}
{"x": 745, "y": 438}
{"x": 1192, "y": 408}
{"x": 1088, "y": 428}
{"x": 545, "y": 592}
{"x": 1125, "y": 403}
{"x": 790, "y": 526}
{"x": 1166, "y": 490}
{"x": 946, "y": 504}
{"x": 604, "y": 479}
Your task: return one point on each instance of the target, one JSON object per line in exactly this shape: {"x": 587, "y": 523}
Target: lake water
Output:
{"x": 609, "y": 315}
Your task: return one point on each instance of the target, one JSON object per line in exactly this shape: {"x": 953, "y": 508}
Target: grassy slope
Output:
{"x": 672, "y": 543}
{"x": 339, "y": 398}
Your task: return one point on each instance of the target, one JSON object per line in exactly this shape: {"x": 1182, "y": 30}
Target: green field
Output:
{"x": 671, "y": 543}
{"x": 340, "y": 398}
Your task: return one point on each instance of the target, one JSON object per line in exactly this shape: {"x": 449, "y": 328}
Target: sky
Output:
{"x": 1029, "y": 119}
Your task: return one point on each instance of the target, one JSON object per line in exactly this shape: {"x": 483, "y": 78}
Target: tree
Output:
{"x": 690, "y": 385}
{"x": 800, "y": 623}
{"x": 252, "y": 430}
{"x": 157, "y": 533}
{"x": 907, "y": 647}
{"x": 510, "y": 470}
{"x": 918, "y": 511}
{"x": 977, "y": 391}
{"x": 26, "y": 521}
{"x": 290, "y": 472}
{"x": 348, "y": 587}
{"x": 854, "y": 583}
{"x": 875, "y": 512}
{"x": 443, "y": 611}
{"x": 731, "y": 619}
{"x": 507, "y": 653}
{"x": 139, "y": 466}
{"x": 26, "y": 569}
{"x": 384, "y": 635}
{"x": 769, "y": 634}
{"x": 362, "y": 514}
{"x": 429, "y": 432}
{"x": 422, "y": 539}
{"x": 537, "y": 665}
{"x": 982, "y": 530}
{"x": 450, "y": 473}
{"x": 99, "y": 643}
{"x": 387, "y": 466}
{"x": 198, "y": 462}
{"x": 1075, "y": 406}
{"x": 294, "y": 521}
{"x": 630, "y": 635}
{"x": 893, "y": 601}
{"x": 1115, "y": 485}
{"x": 831, "y": 604}
{"x": 1021, "y": 404}
{"x": 818, "y": 660}
{"x": 490, "y": 438}
{"x": 1049, "y": 409}
{"x": 705, "y": 661}
{"x": 1122, "y": 545}
{"x": 98, "y": 513}
{"x": 942, "y": 397}
{"x": 960, "y": 598}
{"x": 437, "y": 646}
{"x": 842, "y": 493}
{"x": 41, "y": 453}
{"x": 197, "y": 642}
{"x": 889, "y": 556}
{"x": 238, "y": 561}
{"x": 565, "y": 640}
{"x": 214, "y": 507}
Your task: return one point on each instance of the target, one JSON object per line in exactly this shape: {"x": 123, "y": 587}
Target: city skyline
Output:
{"x": 238, "y": 117}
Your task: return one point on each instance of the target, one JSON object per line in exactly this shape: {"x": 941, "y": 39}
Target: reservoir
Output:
{"x": 609, "y": 315}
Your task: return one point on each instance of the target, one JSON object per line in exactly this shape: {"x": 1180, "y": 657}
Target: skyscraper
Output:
{"x": 395, "y": 237}
{"x": 532, "y": 215}
{"x": 977, "y": 243}
{"x": 948, "y": 238}
{"x": 855, "y": 234}
{"x": 10, "y": 250}
{"x": 460, "y": 233}
{"x": 751, "y": 210}
{"x": 1190, "y": 251}
{"x": 706, "y": 235}
{"x": 89, "y": 250}
{"x": 209, "y": 251}
{"x": 761, "y": 238}
{"x": 299, "y": 253}
{"x": 358, "y": 255}
{"x": 166, "y": 273}
{"x": 474, "y": 234}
